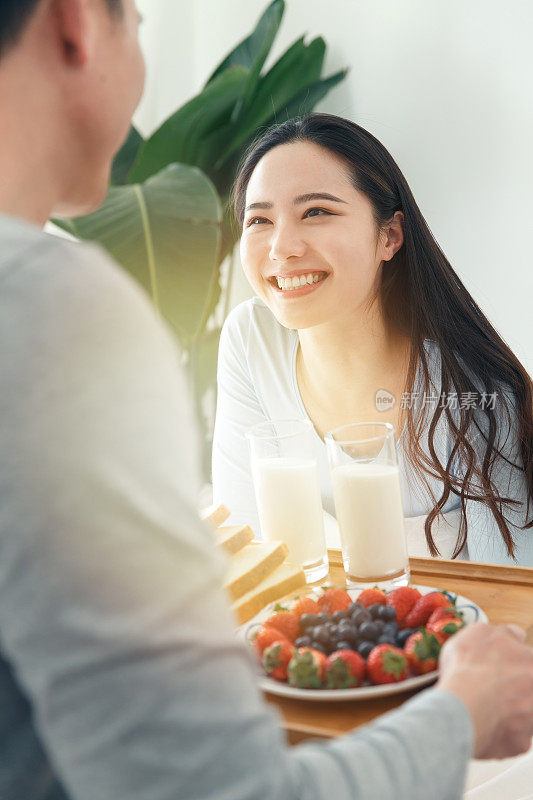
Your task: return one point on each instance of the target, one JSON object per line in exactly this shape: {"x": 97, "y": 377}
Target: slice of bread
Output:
{"x": 215, "y": 515}
{"x": 253, "y": 562}
{"x": 286, "y": 578}
{"x": 234, "y": 537}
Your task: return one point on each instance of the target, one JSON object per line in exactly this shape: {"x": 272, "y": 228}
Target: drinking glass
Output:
{"x": 368, "y": 503}
{"x": 285, "y": 475}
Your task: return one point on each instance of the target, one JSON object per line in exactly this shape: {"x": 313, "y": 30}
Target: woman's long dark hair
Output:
{"x": 423, "y": 298}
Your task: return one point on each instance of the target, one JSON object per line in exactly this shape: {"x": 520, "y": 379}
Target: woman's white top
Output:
{"x": 257, "y": 382}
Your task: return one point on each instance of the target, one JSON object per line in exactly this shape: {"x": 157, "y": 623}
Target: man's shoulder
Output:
{"x": 43, "y": 268}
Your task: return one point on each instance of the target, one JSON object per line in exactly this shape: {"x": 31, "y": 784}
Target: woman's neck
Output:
{"x": 351, "y": 358}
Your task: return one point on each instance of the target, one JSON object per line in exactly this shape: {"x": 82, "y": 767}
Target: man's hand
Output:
{"x": 491, "y": 670}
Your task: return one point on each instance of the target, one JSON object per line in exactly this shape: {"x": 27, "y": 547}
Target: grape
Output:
{"x": 369, "y": 631}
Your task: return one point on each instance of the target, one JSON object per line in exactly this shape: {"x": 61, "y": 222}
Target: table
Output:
{"x": 505, "y": 594}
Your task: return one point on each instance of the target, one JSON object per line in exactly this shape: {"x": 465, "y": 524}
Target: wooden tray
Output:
{"x": 504, "y": 593}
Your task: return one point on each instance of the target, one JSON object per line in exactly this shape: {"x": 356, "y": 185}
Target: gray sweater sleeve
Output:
{"x": 111, "y": 611}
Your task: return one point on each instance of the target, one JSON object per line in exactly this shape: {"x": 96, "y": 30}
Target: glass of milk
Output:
{"x": 368, "y": 503}
{"x": 285, "y": 475}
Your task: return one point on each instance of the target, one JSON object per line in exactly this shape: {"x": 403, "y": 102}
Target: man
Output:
{"x": 120, "y": 678}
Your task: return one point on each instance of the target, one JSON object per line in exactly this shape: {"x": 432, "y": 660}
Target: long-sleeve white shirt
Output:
{"x": 257, "y": 382}
{"x": 120, "y": 674}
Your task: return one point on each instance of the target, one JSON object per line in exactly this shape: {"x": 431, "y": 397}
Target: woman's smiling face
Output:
{"x": 309, "y": 245}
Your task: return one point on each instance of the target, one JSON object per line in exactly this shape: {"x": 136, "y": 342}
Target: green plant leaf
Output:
{"x": 269, "y": 26}
{"x": 298, "y": 68}
{"x": 250, "y": 50}
{"x": 178, "y": 137}
{"x": 125, "y": 157}
{"x": 204, "y": 357}
{"x": 166, "y": 233}
{"x": 304, "y": 102}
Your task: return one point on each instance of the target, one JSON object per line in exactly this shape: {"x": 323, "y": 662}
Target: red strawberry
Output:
{"x": 445, "y": 627}
{"x": 334, "y": 599}
{"x": 276, "y": 658}
{"x": 306, "y": 668}
{"x": 305, "y": 605}
{"x": 370, "y": 596}
{"x": 344, "y": 669}
{"x": 387, "y": 664}
{"x": 403, "y": 600}
{"x": 265, "y": 637}
{"x": 285, "y": 622}
{"x": 423, "y": 609}
{"x": 441, "y": 613}
{"x": 422, "y": 650}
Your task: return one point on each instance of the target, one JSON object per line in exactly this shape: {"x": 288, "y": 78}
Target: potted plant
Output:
{"x": 166, "y": 218}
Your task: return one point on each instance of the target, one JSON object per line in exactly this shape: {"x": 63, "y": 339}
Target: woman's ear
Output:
{"x": 392, "y": 236}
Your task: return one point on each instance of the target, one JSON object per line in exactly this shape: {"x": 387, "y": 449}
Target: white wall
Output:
{"x": 446, "y": 85}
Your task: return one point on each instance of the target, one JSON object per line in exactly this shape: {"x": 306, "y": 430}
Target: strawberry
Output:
{"x": 424, "y": 607}
{"x": 285, "y": 622}
{"x": 387, "y": 664}
{"x": 403, "y": 600}
{"x": 305, "y": 605}
{"x": 445, "y": 627}
{"x": 422, "y": 650}
{"x": 369, "y": 597}
{"x": 306, "y": 668}
{"x": 276, "y": 658}
{"x": 344, "y": 669}
{"x": 334, "y": 599}
{"x": 265, "y": 637}
{"x": 441, "y": 613}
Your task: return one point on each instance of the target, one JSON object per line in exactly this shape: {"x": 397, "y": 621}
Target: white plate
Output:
{"x": 471, "y": 611}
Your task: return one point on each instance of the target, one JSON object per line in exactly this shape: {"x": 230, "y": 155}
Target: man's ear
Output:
{"x": 72, "y": 20}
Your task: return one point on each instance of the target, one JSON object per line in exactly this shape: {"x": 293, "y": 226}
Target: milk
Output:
{"x": 290, "y": 508}
{"x": 369, "y": 510}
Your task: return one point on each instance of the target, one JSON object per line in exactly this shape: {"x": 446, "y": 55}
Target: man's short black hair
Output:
{"x": 14, "y": 15}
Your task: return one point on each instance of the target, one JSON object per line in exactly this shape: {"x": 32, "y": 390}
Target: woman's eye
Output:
{"x": 255, "y": 221}
{"x": 314, "y": 212}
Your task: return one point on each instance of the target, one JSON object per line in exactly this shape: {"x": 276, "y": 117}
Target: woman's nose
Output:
{"x": 285, "y": 244}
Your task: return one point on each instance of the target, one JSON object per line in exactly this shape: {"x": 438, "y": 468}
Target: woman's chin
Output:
{"x": 298, "y": 319}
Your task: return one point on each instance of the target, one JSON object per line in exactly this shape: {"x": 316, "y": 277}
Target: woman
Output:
{"x": 360, "y": 317}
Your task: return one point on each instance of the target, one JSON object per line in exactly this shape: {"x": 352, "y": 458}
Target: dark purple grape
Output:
{"x": 321, "y": 647}
{"x": 321, "y": 634}
{"x": 390, "y": 627}
{"x": 303, "y": 641}
{"x": 322, "y": 618}
{"x": 353, "y": 607}
{"x": 346, "y": 624}
{"x": 338, "y": 615}
{"x": 360, "y": 616}
{"x": 388, "y": 613}
{"x": 308, "y": 621}
{"x": 343, "y": 645}
{"x": 365, "y": 648}
{"x": 379, "y": 624}
{"x": 403, "y": 636}
{"x": 351, "y": 636}
{"x": 387, "y": 638}
{"x": 369, "y": 631}
{"x": 374, "y": 610}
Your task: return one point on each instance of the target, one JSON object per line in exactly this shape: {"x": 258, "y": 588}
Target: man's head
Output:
{"x": 14, "y": 15}
{"x": 71, "y": 75}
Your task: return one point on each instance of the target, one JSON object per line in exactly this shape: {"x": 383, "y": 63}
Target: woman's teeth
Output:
{"x": 299, "y": 280}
